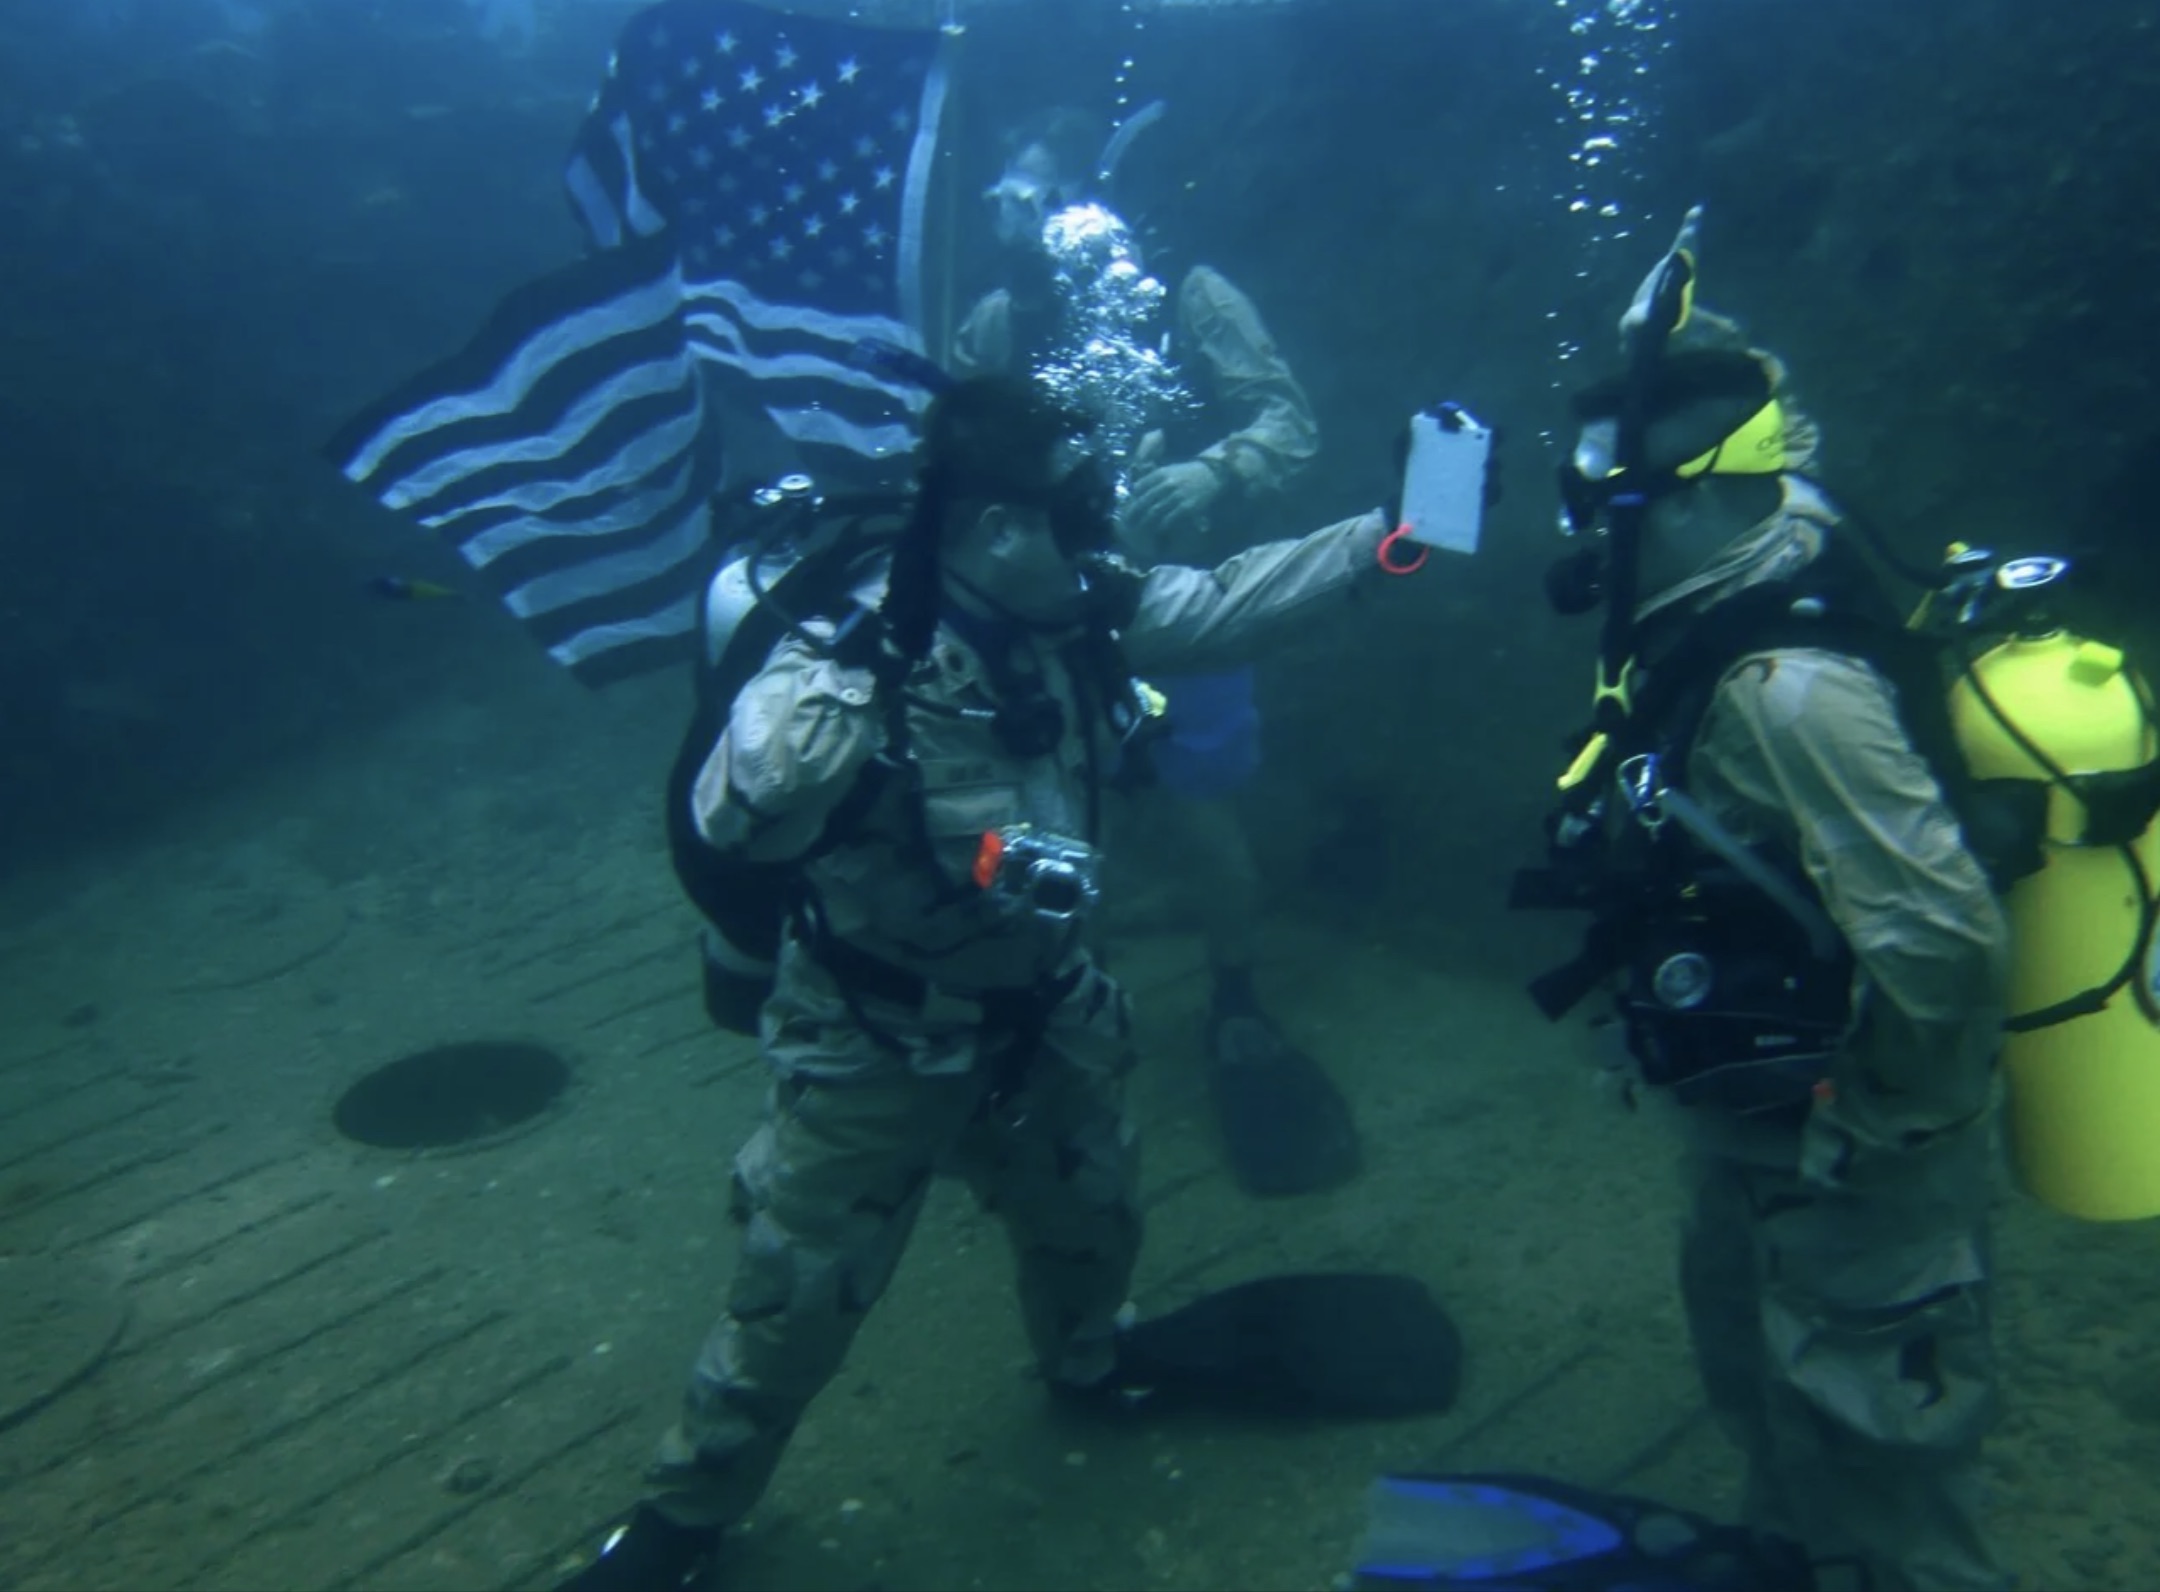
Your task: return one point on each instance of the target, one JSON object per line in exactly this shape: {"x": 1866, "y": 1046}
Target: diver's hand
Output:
{"x": 1169, "y": 508}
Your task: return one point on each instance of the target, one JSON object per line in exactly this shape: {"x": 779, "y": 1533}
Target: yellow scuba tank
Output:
{"x": 2084, "y": 1083}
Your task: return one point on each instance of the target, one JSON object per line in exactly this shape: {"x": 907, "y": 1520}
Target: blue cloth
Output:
{"x": 1213, "y": 748}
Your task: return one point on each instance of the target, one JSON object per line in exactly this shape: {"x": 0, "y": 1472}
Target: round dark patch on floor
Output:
{"x": 452, "y": 1095}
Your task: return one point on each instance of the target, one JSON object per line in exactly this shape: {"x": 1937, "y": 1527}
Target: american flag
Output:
{"x": 754, "y": 187}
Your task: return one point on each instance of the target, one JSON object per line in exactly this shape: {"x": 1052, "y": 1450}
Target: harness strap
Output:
{"x": 1014, "y": 1021}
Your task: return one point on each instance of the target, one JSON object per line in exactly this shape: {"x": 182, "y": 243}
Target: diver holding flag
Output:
{"x": 889, "y": 808}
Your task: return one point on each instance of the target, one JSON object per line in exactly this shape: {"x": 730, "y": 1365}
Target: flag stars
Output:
{"x": 812, "y": 97}
{"x": 702, "y": 157}
{"x": 738, "y": 137}
{"x": 875, "y": 236}
{"x": 710, "y": 99}
{"x": 774, "y": 116}
{"x": 865, "y": 147}
{"x": 785, "y": 57}
{"x": 901, "y": 120}
{"x": 849, "y": 204}
{"x": 782, "y": 249}
{"x": 751, "y": 80}
{"x": 724, "y": 235}
{"x": 676, "y": 123}
{"x": 692, "y": 66}
{"x": 814, "y": 227}
{"x": 884, "y": 178}
{"x": 850, "y": 70}
{"x": 725, "y": 43}
{"x": 759, "y": 215}
{"x": 827, "y": 171}
{"x": 793, "y": 193}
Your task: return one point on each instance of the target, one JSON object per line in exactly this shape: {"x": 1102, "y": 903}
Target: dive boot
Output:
{"x": 650, "y": 1553}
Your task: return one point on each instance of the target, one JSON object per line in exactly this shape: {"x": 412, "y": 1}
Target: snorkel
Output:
{"x": 1660, "y": 308}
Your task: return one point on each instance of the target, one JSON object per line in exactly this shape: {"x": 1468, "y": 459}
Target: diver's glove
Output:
{"x": 1169, "y": 508}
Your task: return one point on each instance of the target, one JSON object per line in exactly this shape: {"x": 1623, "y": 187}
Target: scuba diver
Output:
{"x": 1810, "y": 953}
{"x": 1202, "y": 465}
{"x": 918, "y": 764}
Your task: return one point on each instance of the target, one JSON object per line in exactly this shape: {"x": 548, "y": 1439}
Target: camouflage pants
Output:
{"x": 1837, "y": 1298}
{"x": 829, "y": 1188}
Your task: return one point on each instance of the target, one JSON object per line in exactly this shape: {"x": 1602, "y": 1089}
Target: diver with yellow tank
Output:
{"x": 1793, "y": 818}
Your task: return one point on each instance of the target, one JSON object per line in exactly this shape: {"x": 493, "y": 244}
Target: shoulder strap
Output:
{"x": 1836, "y": 605}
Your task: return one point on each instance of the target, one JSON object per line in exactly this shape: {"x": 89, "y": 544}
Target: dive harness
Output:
{"x": 803, "y": 557}
{"x": 1737, "y": 983}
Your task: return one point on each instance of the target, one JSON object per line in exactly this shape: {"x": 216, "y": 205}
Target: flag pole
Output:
{"x": 953, "y": 31}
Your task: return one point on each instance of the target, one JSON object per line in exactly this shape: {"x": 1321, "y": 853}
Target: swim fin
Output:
{"x": 1286, "y": 1128}
{"x": 1512, "y": 1533}
{"x": 1340, "y": 1344}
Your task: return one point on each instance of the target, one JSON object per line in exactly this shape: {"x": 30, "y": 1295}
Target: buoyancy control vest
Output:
{"x": 790, "y": 565}
{"x": 800, "y": 567}
{"x": 1733, "y": 985}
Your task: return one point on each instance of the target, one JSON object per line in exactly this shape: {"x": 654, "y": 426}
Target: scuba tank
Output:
{"x": 800, "y": 558}
{"x": 2044, "y": 705}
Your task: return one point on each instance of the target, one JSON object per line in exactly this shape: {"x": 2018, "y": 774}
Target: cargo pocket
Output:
{"x": 1910, "y": 1377}
{"x": 764, "y": 1281}
{"x": 1876, "y": 1310}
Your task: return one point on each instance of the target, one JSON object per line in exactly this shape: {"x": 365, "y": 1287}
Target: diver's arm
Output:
{"x": 1252, "y": 378}
{"x": 1198, "y": 618}
{"x": 984, "y": 342}
{"x": 795, "y": 743}
{"x": 1818, "y": 736}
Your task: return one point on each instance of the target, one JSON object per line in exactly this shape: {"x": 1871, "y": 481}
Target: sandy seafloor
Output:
{"x": 341, "y": 1367}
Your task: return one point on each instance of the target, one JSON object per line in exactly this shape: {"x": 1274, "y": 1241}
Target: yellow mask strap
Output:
{"x": 1757, "y": 448}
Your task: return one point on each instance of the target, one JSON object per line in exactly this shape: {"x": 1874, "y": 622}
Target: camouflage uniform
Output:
{"x": 1836, "y": 1276}
{"x": 1222, "y": 343}
{"x": 879, "y": 1085}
